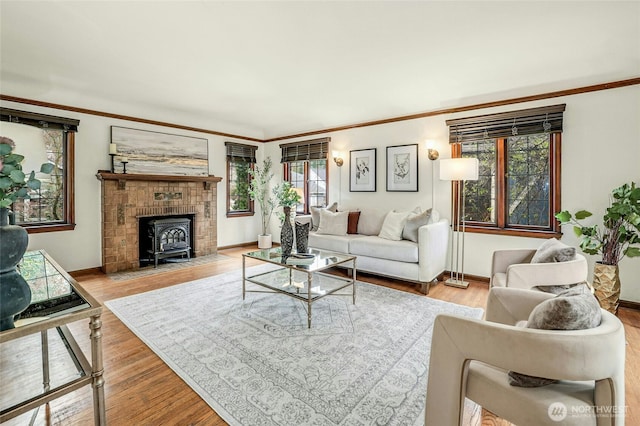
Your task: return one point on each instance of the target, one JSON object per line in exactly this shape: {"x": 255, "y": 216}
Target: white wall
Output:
{"x": 601, "y": 150}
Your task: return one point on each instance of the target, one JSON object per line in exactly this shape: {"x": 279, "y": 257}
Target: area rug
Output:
{"x": 166, "y": 267}
{"x": 255, "y": 362}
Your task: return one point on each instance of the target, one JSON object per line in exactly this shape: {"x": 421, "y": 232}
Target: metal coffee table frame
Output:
{"x": 278, "y": 282}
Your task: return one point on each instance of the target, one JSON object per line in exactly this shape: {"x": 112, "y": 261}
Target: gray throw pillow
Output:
{"x": 415, "y": 221}
{"x": 572, "y": 309}
{"x": 554, "y": 251}
{"x": 315, "y": 214}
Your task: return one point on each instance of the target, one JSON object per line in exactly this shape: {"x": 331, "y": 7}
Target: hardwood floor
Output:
{"x": 141, "y": 389}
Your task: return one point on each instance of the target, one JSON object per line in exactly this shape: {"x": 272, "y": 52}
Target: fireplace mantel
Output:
{"x": 122, "y": 178}
{"x": 126, "y": 197}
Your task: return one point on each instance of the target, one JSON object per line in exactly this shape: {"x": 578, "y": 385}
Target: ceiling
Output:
{"x": 268, "y": 69}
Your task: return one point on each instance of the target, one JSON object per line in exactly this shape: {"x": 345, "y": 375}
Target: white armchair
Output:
{"x": 512, "y": 268}
{"x": 470, "y": 358}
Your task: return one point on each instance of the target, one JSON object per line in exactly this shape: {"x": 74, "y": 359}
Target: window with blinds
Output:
{"x": 240, "y": 160}
{"x": 518, "y": 189}
{"x": 305, "y": 167}
{"x": 42, "y": 139}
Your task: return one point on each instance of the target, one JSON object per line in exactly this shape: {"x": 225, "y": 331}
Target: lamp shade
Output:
{"x": 459, "y": 169}
{"x": 300, "y": 193}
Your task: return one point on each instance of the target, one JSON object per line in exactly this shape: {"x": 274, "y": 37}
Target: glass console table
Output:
{"x": 56, "y": 300}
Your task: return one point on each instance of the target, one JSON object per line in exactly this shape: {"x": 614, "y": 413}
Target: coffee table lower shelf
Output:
{"x": 303, "y": 284}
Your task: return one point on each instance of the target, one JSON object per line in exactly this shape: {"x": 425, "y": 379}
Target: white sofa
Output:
{"x": 420, "y": 262}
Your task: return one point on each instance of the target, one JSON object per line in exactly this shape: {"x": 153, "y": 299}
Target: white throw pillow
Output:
{"x": 333, "y": 223}
{"x": 393, "y": 225}
{"x": 315, "y": 214}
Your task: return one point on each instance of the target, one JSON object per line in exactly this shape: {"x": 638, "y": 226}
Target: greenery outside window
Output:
{"x": 240, "y": 159}
{"x": 518, "y": 188}
{"x": 305, "y": 167}
{"x": 44, "y": 139}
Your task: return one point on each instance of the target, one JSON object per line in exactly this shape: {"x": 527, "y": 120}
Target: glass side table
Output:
{"x": 56, "y": 300}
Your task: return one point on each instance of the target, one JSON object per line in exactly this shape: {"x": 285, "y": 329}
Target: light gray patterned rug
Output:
{"x": 256, "y": 362}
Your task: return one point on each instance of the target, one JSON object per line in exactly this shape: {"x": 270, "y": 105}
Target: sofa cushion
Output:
{"x": 393, "y": 225}
{"x": 337, "y": 243}
{"x": 372, "y": 246}
{"x": 333, "y": 223}
{"x": 315, "y": 214}
{"x": 553, "y": 250}
{"x": 370, "y": 221}
{"x": 415, "y": 221}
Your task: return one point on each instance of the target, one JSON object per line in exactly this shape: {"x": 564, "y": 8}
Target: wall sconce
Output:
{"x": 338, "y": 160}
{"x": 432, "y": 153}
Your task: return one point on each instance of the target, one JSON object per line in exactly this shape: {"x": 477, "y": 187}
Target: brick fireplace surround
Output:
{"x": 127, "y": 197}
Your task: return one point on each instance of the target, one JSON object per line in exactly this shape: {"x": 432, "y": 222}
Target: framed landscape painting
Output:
{"x": 362, "y": 165}
{"x": 402, "y": 168}
{"x": 155, "y": 153}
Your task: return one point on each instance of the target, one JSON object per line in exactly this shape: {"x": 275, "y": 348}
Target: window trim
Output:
{"x": 68, "y": 126}
{"x": 247, "y": 153}
{"x": 286, "y": 173}
{"x": 502, "y": 227}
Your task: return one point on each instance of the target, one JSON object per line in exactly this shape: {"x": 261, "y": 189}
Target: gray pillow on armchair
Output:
{"x": 573, "y": 309}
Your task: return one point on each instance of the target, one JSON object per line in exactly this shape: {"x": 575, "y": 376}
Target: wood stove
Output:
{"x": 169, "y": 237}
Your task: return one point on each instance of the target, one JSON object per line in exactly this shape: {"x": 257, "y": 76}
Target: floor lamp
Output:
{"x": 458, "y": 170}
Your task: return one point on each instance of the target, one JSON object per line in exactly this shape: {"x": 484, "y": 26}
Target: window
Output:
{"x": 44, "y": 139}
{"x": 518, "y": 187}
{"x": 240, "y": 159}
{"x": 305, "y": 166}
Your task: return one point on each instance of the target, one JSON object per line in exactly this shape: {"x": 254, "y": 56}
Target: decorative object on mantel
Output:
{"x": 113, "y": 151}
{"x": 15, "y": 294}
{"x": 259, "y": 192}
{"x": 619, "y": 238}
{"x": 124, "y": 161}
{"x": 161, "y": 153}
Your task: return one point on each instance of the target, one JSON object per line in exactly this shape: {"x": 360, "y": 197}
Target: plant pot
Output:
{"x": 264, "y": 241}
{"x": 606, "y": 283}
{"x": 15, "y": 294}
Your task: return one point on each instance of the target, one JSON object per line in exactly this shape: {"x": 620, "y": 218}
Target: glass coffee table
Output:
{"x": 305, "y": 282}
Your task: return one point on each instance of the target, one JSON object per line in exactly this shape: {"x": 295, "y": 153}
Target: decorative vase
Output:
{"x": 606, "y": 283}
{"x": 264, "y": 241}
{"x": 302, "y": 237}
{"x": 286, "y": 234}
{"x": 15, "y": 294}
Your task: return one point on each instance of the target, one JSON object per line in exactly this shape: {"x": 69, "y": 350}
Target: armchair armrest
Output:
{"x": 527, "y": 275}
{"x": 510, "y": 305}
{"x": 501, "y": 259}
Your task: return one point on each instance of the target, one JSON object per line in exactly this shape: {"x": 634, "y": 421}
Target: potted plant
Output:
{"x": 259, "y": 192}
{"x": 15, "y": 294}
{"x": 286, "y": 197}
{"x": 618, "y": 237}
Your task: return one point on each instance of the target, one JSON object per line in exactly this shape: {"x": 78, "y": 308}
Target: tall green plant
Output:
{"x": 14, "y": 183}
{"x": 620, "y": 233}
{"x": 259, "y": 191}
